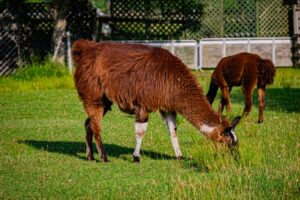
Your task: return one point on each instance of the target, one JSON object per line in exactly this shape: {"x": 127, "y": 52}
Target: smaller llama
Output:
{"x": 246, "y": 70}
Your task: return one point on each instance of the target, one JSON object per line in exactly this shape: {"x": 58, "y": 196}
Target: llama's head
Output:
{"x": 224, "y": 133}
{"x": 266, "y": 71}
{"x": 229, "y": 133}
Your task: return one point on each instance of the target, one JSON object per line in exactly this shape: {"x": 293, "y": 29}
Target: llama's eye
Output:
{"x": 227, "y": 131}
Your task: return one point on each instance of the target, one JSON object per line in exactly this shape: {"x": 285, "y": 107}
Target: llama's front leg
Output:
{"x": 140, "y": 128}
{"x": 170, "y": 120}
{"x": 261, "y": 100}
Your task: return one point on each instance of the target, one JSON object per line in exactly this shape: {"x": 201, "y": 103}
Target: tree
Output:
{"x": 60, "y": 9}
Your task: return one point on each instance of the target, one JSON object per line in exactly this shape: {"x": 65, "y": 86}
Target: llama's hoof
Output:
{"x": 179, "y": 158}
{"x": 136, "y": 159}
{"x": 90, "y": 158}
{"x": 260, "y": 121}
{"x": 104, "y": 160}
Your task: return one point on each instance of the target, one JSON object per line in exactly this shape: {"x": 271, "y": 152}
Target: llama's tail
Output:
{"x": 83, "y": 53}
{"x": 212, "y": 92}
{"x": 80, "y": 48}
{"x": 266, "y": 70}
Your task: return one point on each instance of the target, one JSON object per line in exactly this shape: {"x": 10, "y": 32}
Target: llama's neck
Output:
{"x": 199, "y": 112}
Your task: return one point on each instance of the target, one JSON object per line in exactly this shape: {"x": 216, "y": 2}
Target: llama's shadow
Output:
{"x": 283, "y": 99}
{"x": 77, "y": 148}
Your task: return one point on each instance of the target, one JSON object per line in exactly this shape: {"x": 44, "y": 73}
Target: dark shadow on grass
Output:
{"x": 113, "y": 150}
{"x": 75, "y": 148}
{"x": 197, "y": 166}
{"x": 283, "y": 99}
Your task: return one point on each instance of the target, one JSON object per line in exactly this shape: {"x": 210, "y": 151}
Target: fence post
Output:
{"x": 200, "y": 55}
{"x": 224, "y": 48}
{"x": 196, "y": 55}
{"x": 248, "y": 45}
{"x": 69, "y": 53}
{"x": 296, "y": 38}
{"x": 172, "y": 47}
{"x": 273, "y": 51}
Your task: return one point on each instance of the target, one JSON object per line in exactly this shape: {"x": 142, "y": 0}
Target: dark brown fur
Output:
{"x": 246, "y": 70}
{"x": 139, "y": 79}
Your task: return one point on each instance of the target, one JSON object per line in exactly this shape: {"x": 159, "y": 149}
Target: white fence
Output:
{"x": 276, "y": 49}
{"x": 206, "y": 53}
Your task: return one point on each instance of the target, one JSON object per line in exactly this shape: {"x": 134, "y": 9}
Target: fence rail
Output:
{"x": 207, "y": 52}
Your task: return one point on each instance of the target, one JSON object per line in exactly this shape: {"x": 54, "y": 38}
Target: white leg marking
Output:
{"x": 171, "y": 125}
{"x": 140, "y": 130}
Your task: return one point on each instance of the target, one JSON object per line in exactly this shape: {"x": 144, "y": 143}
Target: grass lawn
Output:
{"x": 42, "y": 148}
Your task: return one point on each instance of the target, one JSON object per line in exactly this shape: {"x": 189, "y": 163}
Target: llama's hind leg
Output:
{"x": 261, "y": 101}
{"x": 89, "y": 140}
{"x": 140, "y": 128}
{"x": 170, "y": 120}
{"x": 95, "y": 113}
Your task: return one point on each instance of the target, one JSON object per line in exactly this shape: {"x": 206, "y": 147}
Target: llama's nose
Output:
{"x": 233, "y": 145}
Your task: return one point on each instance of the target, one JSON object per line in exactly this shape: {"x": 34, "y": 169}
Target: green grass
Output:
{"x": 37, "y": 76}
{"x": 42, "y": 148}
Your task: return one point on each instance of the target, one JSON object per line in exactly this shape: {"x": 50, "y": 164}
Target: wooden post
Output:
{"x": 296, "y": 45}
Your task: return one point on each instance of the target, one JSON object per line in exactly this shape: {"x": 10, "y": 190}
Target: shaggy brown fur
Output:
{"x": 244, "y": 69}
{"x": 139, "y": 79}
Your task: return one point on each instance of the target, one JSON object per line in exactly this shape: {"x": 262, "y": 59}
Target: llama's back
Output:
{"x": 136, "y": 75}
{"x": 234, "y": 68}
{"x": 144, "y": 76}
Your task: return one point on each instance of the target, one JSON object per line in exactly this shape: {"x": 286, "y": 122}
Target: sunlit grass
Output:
{"x": 42, "y": 148}
{"x": 38, "y": 75}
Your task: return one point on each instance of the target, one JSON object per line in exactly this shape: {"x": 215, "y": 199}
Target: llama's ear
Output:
{"x": 235, "y": 121}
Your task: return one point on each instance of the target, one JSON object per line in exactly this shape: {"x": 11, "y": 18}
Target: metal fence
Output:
{"x": 206, "y": 53}
{"x": 276, "y": 49}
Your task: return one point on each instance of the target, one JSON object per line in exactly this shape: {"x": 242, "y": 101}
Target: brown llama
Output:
{"x": 246, "y": 70}
{"x": 142, "y": 79}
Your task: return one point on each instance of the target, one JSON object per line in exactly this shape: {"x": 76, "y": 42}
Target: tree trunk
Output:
{"x": 60, "y": 23}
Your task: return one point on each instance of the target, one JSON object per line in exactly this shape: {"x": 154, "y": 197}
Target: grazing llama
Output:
{"x": 142, "y": 79}
{"x": 246, "y": 70}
